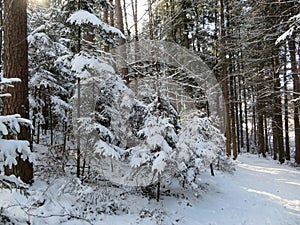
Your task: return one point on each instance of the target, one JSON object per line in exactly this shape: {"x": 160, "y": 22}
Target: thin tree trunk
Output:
{"x": 78, "y": 160}
{"x": 246, "y": 117}
{"x": 278, "y": 112}
{"x": 242, "y": 143}
{"x": 266, "y": 134}
{"x": 111, "y": 15}
{"x": 296, "y": 84}
{"x": 254, "y": 112}
{"x": 237, "y": 112}
{"x": 233, "y": 121}
{"x": 150, "y": 14}
{"x": 120, "y": 26}
{"x": 286, "y": 110}
{"x": 260, "y": 129}
{"x": 105, "y": 20}
{"x": 125, "y": 18}
{"x": 135, "y": 21}
{"x": 224, "y": 73}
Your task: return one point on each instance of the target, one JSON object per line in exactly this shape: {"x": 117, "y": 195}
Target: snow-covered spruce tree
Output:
{"x": 50, "y": 75}
{"x": 155, "y": 122}
{"x": 99, "y": 90}
{"x": 199, "y": 144}
{"x": 88, "y": 64}
{"x": 10, "y": 149}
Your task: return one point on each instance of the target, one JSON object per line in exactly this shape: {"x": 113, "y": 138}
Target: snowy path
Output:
{"x": 260, "y": 192}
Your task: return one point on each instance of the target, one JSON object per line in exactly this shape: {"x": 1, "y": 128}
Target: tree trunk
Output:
{"x": 224, "y": 72}
{"x": 260, "y": 130}
{"x": 16, "y": 65}
{"x": 246, "y": 115}
{"x": 278, "y": 111}
{"x": 150, "y": 14}
{"x": 105, "y": 20}
{"x": 125, "y": 18}
{"x": 292, "y": 50}
{"x": 286, "y": 110}
{"x": 135, "y": 20}
{"x": 120, "y": 26}
{"x": 111, "y": 15}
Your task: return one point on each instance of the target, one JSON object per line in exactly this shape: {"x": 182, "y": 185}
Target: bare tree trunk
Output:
{"x": 135, "y": 21}
{"x": 296, "y": 84}
{"x": 278, "y": 111}
{"x": 120, "y": 26}
{"x": 233, "y": 121}
{"x": 266, "y": 134}
{"x": 111, "y": 15}
{"x": 286, "y": 110}
{"x": 246, "y": 117}
{"x": 16, "y": 65}
{"x": 224, "y": 72}
{"x": 254, "y": 114}
{"x": 125, "y": 18}
{"x": 78, "y": 160}
{"x": 150, "y": 14}
{"x": 260, "y": 130}
{"x": 105, "y": 20}
{"x": 237, "y": 112}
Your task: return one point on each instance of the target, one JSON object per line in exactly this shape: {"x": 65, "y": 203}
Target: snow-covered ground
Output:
{"x": 259, "y": 192}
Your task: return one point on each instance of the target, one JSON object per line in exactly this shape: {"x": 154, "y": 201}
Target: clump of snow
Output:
{"x": 82, "y": 64}
{"x": 82, "y": 17}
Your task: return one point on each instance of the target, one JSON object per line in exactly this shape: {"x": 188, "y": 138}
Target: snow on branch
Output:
{"x": 9, "y": 80}
{"x": 295, "y": 25}
{"x": 5, "y": 95}
{"x": 81, "y": 62}
{"x": 84, "y": 17}
{"x": 10, "y": 124}
{"x": 10, "y": 149}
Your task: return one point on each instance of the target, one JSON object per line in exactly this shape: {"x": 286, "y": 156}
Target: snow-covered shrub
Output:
{"x": 199, "y": 145}
{"x": 155, "y": 124}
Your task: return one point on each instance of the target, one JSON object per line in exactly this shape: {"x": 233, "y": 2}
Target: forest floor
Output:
{"x": 259, "y": 192}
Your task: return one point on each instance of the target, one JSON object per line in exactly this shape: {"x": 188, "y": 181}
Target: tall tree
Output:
{"x": 225, "y": 78}
{"x": 120, "y": 26}
{"x": 296, "y": 84}
{"x": 16, "y": 65}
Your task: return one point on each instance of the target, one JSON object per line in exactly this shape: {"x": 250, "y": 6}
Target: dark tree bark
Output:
{"x": 16, "y": 65}
{"x": 135, "y": 20}
{"x": 260, "y": 130}
{"x": 105, "y": 20}
{"x": 278, "y": 138}
{"x": 296, "y": 84}
{"x": 120, "y": 26}
{"x": 224, "y": 72}
{"x": 111, "y": 15}
{"x": 286, "y": 110}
